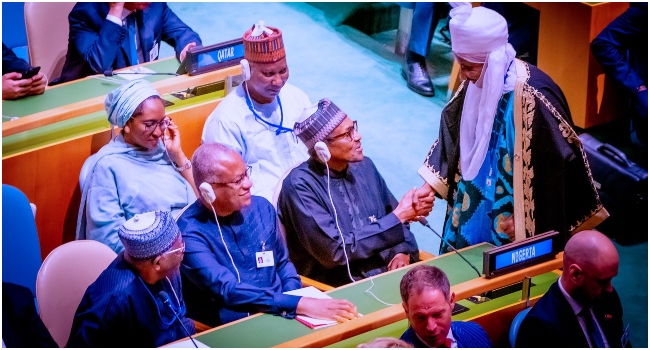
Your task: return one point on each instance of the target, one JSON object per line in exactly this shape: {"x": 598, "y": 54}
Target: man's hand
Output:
{"x": 507, "y": 225}
{"x": 115, "y": 9}
{"x": 399, "y": 260}
{"x": 405, "y": 210}
{"x": 327, "y": 309}
{"x": 38, "y": 84}
{"x": 14, "y": 87}
{"x": 423, "y": 200}
{"x": 184, "y": 52}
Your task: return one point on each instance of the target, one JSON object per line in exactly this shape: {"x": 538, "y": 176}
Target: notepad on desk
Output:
{"x": 311, "y": 322}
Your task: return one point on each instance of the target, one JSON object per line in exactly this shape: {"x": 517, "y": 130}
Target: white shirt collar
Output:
{"x": 575, "y": 306}
{"x": 450, "y": 336}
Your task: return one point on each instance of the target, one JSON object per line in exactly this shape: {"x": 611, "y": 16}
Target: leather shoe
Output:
{"x": 417, "y": 79}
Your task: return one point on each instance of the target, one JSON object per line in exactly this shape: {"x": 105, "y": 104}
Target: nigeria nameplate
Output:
{"x": 518, "y": 255}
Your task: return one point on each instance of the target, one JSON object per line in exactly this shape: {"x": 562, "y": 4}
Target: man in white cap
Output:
{"x": 342, "y": 222}
{"x": 507, "y": 159}
{"x": 256, "y": 118}
{"x": 126, "y": 306}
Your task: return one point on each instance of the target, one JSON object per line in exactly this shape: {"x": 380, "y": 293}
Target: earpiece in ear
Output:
{"x": 207, "y": 193}
{"x": 245, "y": 69}
{"x": 322, "y": 151}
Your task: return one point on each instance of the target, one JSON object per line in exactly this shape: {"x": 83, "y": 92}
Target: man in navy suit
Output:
{"x": 581, "y": 309}
{"x": 428, "y": 303}
{"x": 107, "y": 36}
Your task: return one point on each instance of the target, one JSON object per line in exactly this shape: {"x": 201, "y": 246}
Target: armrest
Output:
{"x": 308, "y": 282}
{"x": 425, "y": 255}
{"x": 200, "y": 327}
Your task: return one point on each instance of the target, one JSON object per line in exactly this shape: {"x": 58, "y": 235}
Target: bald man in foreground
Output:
{"x": 581, "y": 309}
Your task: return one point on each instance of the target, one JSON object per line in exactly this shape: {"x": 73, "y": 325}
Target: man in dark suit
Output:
{"x": 581, "y": 309}
{"x": 21, "y": 325}
{"x": 428, "y": 303}
{"x": 107, "y": 36}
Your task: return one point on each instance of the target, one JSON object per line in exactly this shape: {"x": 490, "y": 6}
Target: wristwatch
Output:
{"x": 187, "y": 165}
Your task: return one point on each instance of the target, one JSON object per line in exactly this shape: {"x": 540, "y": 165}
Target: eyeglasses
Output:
{"x": 354, "y": 129}
{"x": 179, "y": 249}
{"x": 238, "y": 181}
{"x": 151, "y": 125}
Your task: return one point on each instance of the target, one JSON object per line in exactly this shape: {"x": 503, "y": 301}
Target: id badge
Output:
{"x": 153, "y": 54}
{"x": 264, "y": 259}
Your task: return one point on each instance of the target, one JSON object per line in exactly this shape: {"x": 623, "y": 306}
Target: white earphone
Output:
{"x": 322, "y": 151}
{"x": 245, "y": 69}
{"x": 208, "y": 195}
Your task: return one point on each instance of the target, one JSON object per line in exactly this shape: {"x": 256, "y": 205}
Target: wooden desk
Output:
{"x": 495, "y": 316}
{"x": 273, "y": 331}
{"x": 43, "y": 152}
{"x": 566, "y": 30}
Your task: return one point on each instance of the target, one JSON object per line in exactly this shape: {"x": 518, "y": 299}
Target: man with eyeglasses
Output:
{"x": 124, "y": 307}
{"x": 236, "y": 262}
{"x": 341, "y": 220}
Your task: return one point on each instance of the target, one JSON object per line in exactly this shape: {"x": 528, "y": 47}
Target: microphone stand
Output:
{"x": 165, "y": 297}
{"x": 425, "y": 223}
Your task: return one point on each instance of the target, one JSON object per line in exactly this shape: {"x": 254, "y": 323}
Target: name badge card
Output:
{"x": 264, "y": 259}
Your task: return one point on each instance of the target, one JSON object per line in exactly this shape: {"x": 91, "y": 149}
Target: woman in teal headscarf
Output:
{"x": 140, "y": 170}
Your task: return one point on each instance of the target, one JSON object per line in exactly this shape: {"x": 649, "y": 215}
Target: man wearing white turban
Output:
{"x": 140, "y": 170}
{"x": 507, "y": 159}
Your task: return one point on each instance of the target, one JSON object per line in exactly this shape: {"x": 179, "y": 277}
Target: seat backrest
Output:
{"x": 47, "y": 28}
{"x": 21, "y": 250}
{"x": 516, "y": 323}
{"x": 63, "y": 279}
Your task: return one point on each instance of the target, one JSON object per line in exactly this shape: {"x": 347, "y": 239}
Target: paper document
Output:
{"x": 312, "y": 292}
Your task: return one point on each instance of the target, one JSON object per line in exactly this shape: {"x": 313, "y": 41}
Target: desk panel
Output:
{"x": 486, "y": 314}
{"x": 85, "y": 96}
{"x": 273, "y": 331}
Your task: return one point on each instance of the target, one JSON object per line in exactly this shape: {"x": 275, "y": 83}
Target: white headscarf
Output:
{"x": 480, "y": 35}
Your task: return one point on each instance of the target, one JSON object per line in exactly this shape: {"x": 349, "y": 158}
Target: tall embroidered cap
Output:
{"x": 318, "y": 122}
{"x": 263, "y": 44}
{"x": 149, "y": 234}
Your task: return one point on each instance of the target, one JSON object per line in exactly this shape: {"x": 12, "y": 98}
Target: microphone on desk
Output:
{"x": 425, "y": 223}
{"x": 165, "y": 298}
{"x": 110, "y": 73}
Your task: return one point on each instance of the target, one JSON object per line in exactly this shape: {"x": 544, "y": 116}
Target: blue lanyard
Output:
{"x": 280, "y": 129}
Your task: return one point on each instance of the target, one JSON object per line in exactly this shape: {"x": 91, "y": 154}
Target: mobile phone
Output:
{"x": 31, "y": 72}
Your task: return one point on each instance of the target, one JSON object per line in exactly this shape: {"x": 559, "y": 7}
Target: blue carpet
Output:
{"x": 362, "y": 76}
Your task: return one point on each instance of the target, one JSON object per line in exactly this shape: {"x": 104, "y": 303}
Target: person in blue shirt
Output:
{"x": 124, "y": 306}
{"x": 227, "y": 230}
{"x": 428, "y": 303}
